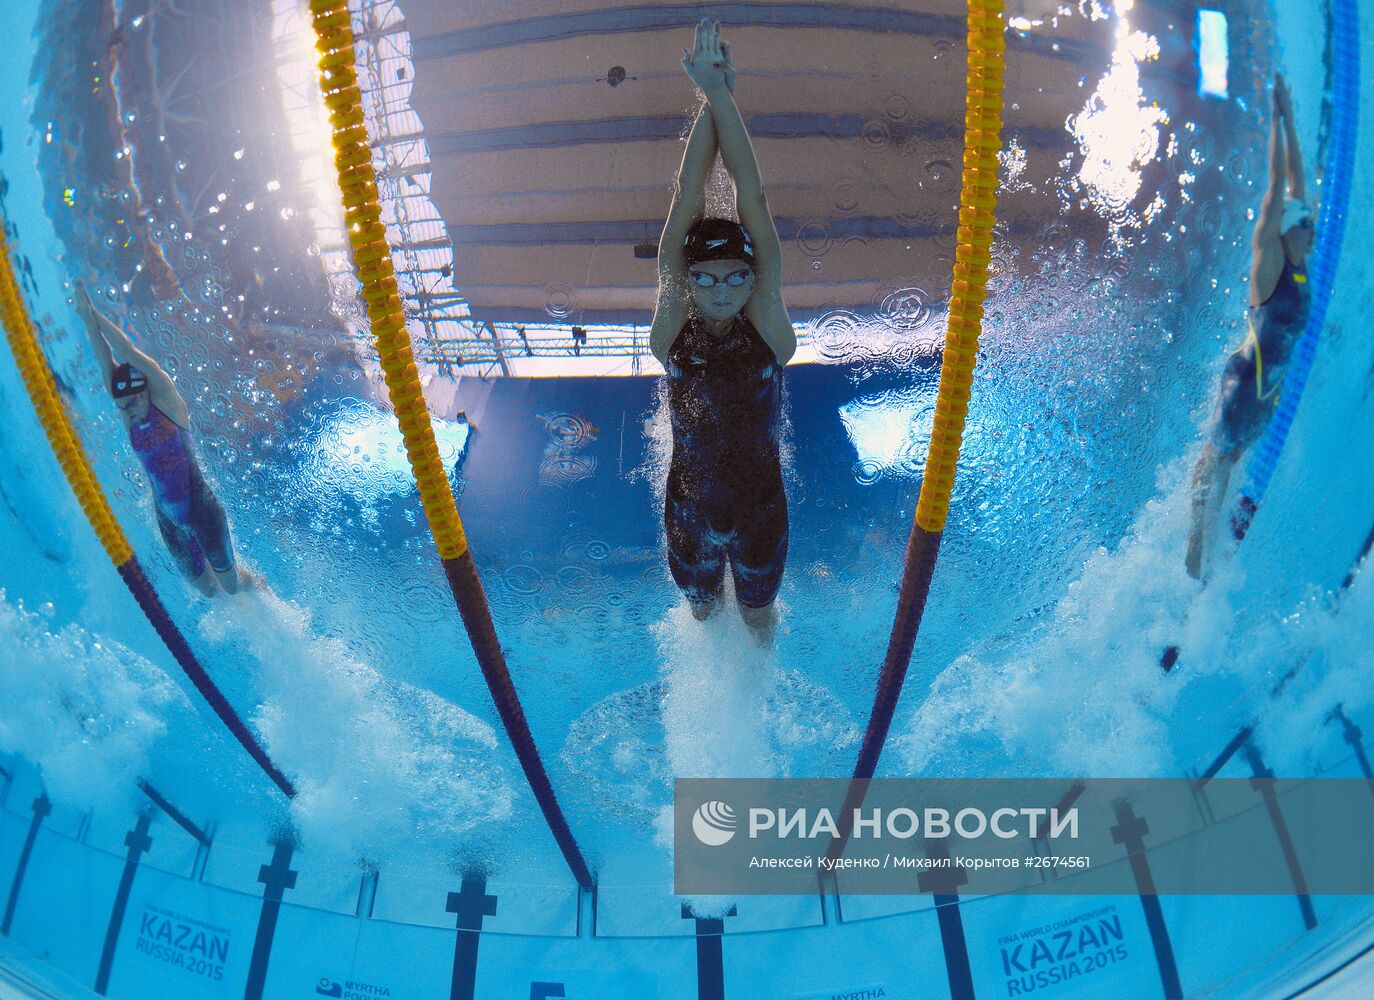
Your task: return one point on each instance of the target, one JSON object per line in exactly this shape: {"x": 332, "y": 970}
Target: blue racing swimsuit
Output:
{"x": 189, "y": 514}
{"x": 725, "y": 496}
{"x": 1254, "y": 374}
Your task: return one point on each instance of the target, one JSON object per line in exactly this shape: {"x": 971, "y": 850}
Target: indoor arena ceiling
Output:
{"x": 554, "y": 137}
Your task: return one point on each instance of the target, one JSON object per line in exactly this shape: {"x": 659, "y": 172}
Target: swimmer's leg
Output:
{"x": 762, "y": 622}
{"x": 695, "y": 557}
{"x": 1239, "y": 421}
{"x": 211, "y": 529}
{"x": 758, "y": 555}
{"x": 205, "y": 582}
{"x": 1211, "y": 480}
{"x": 703, "y": 609}
{"x": 187, "y": 555}
{"x": 1203, "y": 476}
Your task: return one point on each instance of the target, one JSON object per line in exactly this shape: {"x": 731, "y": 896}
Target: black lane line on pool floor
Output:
{"x": 138, "y": 842}
{"x": 1355, "y": 739}
{"x": 710, "y": 956}
{"x": 41, "y": 808}
{"x": 276, "y": 878}
{"x": 1263, "y": 784}
{"x": 470, "y": 906}
{"x": 943, "y": 884}
{"x": 1130, "y": 833}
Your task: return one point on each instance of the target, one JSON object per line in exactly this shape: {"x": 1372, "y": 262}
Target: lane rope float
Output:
{"x": 1340, "y": 169}
{"x": 1337, "y": 176}
{"x": 377, "y": 273}
{"x": 972, "y": 257}
{"x": 76, "y": 468}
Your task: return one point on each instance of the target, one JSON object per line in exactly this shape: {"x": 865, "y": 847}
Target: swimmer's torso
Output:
{"x": 725, "y": 401}
{"x": 165, "y": 451}
{"x": 1276, "y": 324}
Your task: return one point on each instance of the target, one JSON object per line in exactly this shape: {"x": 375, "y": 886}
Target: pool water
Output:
{"x": 1118, "y": 288}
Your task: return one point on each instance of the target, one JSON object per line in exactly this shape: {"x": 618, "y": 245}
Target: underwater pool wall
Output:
{"x": 151, "y": 904}
{"x": 146, "y": 904}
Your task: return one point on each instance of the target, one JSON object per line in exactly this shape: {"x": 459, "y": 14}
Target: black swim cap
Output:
{"x": 126, "y": 380}
{"x": 718, "y": 239}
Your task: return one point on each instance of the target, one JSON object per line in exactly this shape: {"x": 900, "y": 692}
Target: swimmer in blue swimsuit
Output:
{"x": 723, "y": 335}
{"x": 1279, "y": 302}
{"x": 189, "y": 515}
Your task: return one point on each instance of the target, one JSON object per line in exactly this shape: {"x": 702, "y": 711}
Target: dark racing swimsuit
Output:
{"x": 725, "y": 495}
{"x": 1254, "y": 375}
{"x": 189, "y": 515}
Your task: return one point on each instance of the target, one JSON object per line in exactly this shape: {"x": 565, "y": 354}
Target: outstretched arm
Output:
{"x": 1271, "y": 208}
{"x": 689, "y": 205}
{"x": 689, "y": 193}
{"x": 1297, "y": 182}
{"x": 118, "y": 347}
{"x": 738, "y": 153}
{"x": 766, "y": 308}
{"x": 99, "y": 347}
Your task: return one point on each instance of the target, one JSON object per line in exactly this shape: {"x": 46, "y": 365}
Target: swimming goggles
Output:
{"x": 734, "y": 279}
{"x": 127, "y": 382}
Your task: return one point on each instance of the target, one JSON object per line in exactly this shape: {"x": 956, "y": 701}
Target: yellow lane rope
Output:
{"x": 42, "y": 390}
{"x": 977, "y": 204}
{"x": 66, "y": 446}
{"x": 372, "y": 256}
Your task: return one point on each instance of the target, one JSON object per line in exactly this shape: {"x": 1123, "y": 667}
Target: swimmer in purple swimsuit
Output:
{"x": 1279, "y": 303}
{"x": 189, "y": 515}
{"x": 723, "y": 335}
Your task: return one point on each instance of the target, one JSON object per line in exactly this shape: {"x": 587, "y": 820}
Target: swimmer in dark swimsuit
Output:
{"x": 1279, "y": 301}
{"x": 189, "y": 515}
{"x": 723, "y": 335}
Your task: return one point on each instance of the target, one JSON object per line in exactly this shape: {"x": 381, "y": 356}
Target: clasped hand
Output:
{"x": 708, "y": 63}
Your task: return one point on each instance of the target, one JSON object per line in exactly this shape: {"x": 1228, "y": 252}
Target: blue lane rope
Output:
{"x": 1340, "y": 168}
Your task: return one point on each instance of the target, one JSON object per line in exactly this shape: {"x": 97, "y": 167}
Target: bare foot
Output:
{"x": 229, "y": 579}
{"x": 205, "y": 583}
{"x": 1193, "y": 560}
{"x": 701, "y": 610}
{"x": 762, "y": 622}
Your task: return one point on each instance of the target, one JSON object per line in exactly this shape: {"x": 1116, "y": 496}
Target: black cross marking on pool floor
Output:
{"x": 276, "y": 878}
{"x": 41, "y": 808}
{"x": 1355, "y": 739}
{"x": 710, "y": 958}
{"x": 469, "y": 905}
{"x": 138, "y": 842}
{"x": 1263, "y": 783}
{"x": 943, "y": 884}
{"x": 1130, "y": 832}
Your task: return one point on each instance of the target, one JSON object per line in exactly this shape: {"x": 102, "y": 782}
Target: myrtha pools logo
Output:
{"x": 714, "y": 823}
